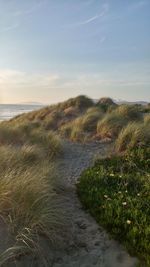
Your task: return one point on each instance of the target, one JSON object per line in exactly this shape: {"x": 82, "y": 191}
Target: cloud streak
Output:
{"x": 104, "y": 11}
{"x": 88, "y": 20}
{"x": 16, "y": 16}
{"x": 30, "y": 10}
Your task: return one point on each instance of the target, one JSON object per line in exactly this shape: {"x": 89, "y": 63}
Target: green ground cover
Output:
{"x": 116, "y": 191}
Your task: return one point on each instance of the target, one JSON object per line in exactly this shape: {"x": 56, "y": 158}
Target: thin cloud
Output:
{"x": 91, "y": 19}
{"x": 30, "y": 10}
{"x": 87, "y": 21}
{"x": 16, "y": 15}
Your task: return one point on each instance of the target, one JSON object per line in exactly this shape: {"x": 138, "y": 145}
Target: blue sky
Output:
{"x": 53, "y": 50}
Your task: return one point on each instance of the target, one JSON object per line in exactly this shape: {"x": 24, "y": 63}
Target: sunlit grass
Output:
{"x": 111, "y": 125}
{"x": 134, "y": 134}
{"x": 80, "y": 119}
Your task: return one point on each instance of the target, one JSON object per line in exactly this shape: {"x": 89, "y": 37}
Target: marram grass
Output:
{"x": 29, "y": 206}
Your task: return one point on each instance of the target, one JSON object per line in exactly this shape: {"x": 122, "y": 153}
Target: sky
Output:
{"x": 53, "y": 50}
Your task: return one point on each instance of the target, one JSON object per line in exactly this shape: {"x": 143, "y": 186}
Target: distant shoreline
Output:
{"x": 8, "y": 111}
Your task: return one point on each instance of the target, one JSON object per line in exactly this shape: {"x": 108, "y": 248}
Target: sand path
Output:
{"x": 90, "y": 245}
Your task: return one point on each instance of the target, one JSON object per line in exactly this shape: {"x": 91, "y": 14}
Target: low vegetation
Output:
{"x": 147, "y": 119}
{"x": 106, "y": 104}
{"x": 80, "y": 119}
{"x": 133, "y": 135}
{"x": 116, "y": 192}
{"x": 29, "y": 206}
{"x": 111, "y": 125}
{"x": 116, "y": 189}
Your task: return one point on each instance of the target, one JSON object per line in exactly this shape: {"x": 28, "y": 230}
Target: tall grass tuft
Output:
{"x": 147, "y": 119}
{"x": 111, "y": 125}
{"x": 133, "y": 135}
{"x": 130, "y": 112}
{"x": 30, "y": 208}
{"x": 29, "y": 205}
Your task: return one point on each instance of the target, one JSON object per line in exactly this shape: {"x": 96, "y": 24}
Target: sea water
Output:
{"x": 8, "y": 111}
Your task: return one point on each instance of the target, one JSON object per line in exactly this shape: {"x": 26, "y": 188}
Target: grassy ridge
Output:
{"x": 80, "y": 119}
{"x": 116, "y": 192}
{"x": 29, "y": 206}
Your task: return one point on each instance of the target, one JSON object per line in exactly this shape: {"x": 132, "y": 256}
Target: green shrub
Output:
{"x": 134, "y": 134}
{"x": 116, "y": 192}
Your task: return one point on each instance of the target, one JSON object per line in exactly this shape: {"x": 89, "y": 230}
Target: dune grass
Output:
{"x": 147, "y": 119}
{"x": 32, "y": 134}
{"x": 106, "y": 104}
{"x": 116, "y": 192}
{"x": 29, "y": 145}
{"x": 130, "y": 112}
{"x": 111, "y": 125}
{"x": 80, "y": 102}
{"x": 80, "y": 119}
{"x": 113, "y": 122}
{"x": 80, "y": 128}
{"x": 135, "y": 134}
{"x": 29, "y": 205}
{"x": 89, "y": 121}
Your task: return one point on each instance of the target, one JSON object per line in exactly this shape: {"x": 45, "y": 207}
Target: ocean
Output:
{"x": 8, "y": 111}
